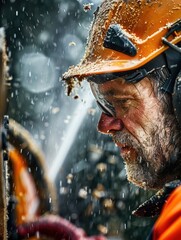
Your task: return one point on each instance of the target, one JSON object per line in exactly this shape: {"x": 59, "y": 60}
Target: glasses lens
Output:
{"x": 104, "y": 109}
{"x": 102, "y": 103}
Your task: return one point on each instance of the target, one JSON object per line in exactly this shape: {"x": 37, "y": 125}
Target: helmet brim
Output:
{"x": 100, "y": 66}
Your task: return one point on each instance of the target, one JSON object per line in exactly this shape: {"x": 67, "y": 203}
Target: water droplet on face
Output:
{"x": 140, "y": 159}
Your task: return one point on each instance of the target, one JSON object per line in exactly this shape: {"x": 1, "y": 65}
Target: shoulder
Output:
{"x": 168, "y": 225}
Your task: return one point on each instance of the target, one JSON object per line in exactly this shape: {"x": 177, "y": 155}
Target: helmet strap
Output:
{"x": 173, "y": 64}
{"x": 173, "y": 30}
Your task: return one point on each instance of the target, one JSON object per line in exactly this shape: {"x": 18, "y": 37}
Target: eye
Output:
{"x": 122, "y": 105}
{"x": 125, "y": 102}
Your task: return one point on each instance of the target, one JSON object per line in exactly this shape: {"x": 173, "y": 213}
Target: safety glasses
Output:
{"x": 105, "y": 106}
{"x": 129, "y": 77}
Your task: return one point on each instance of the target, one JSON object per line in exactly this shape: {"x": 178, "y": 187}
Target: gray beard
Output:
{"x": 158, "y": 156}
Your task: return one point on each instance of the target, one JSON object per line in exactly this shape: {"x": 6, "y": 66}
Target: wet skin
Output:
{"x": 138, "y": 125}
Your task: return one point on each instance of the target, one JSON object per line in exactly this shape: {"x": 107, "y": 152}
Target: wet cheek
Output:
{"x": 134, "y": 121}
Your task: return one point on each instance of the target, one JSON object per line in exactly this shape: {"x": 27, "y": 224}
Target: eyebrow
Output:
{"x": 116, "y": 92}
{"x": 108, "y": 92}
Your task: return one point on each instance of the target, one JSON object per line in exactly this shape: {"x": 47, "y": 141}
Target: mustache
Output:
{"x": 125, "y": 139}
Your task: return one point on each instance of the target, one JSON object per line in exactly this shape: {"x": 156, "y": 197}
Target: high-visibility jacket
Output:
{"x": 168, "y": 225}
{"x": 166, "y": 204}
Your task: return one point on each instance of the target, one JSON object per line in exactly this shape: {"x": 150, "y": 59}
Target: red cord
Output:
{"x": 54, "y": 227}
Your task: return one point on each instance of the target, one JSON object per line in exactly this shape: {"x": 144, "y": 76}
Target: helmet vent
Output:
{"x": 116, "y": 40}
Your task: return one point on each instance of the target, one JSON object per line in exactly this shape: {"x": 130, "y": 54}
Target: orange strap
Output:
{"x": 168, "y": 225}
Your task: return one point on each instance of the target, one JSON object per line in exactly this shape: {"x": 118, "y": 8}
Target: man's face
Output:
{"x": 136, "y": 118}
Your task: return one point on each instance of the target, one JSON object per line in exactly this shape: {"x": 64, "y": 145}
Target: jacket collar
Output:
{"x": 153, "y": 206}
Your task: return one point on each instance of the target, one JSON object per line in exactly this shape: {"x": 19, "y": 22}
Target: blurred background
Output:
{"x": 43, "y": 39}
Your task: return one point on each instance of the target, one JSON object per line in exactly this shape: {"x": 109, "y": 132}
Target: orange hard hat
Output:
{"x": 127, "y": 34}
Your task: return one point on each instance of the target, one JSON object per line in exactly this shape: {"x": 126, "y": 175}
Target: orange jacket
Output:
{"x": 168, "y": 225}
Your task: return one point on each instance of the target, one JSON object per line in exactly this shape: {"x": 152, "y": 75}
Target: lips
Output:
{"x": 122, "y": 146}
{"x": 124, "y": 149}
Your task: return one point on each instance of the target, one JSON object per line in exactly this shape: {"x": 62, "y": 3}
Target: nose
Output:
{"x": 109, "y": 124}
